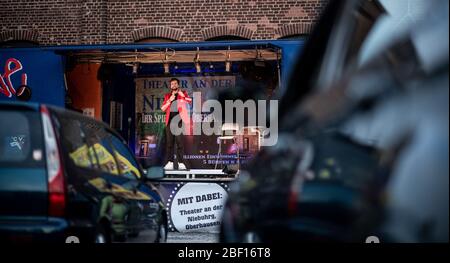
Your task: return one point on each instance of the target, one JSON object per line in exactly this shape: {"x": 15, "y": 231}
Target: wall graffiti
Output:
{"x": 12, "y": 66}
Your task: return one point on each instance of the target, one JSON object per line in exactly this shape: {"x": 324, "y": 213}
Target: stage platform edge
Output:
{"x": 199, "y": 175}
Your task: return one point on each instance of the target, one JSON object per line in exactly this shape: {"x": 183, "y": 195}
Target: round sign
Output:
{"x": 197, "y": 207}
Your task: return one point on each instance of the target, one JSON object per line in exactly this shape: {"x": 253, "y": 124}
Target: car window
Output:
{"x": 74, "y": 143}
{"x": 339, "y": 159}
{"x": 127, "y": 164}
{"x": 21, "y": 139}
{"x": 99, "y": 144}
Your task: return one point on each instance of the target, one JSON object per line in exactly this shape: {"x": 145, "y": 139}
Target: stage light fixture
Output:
{"x": 228, "y": 66}
{"x": 228, "y": 62}
{"x": 135, "y": 64}
{"x": 166, "y": 63}
{"x": 166, "y": 68}
{"x": 259, "y": 60}
{"x": 198, "y": 67}
{"x": 135, "y": 67}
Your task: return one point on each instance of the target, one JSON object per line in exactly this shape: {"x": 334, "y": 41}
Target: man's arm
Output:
{"x": 166, "y": 103}
{"x": 185, "y": 96}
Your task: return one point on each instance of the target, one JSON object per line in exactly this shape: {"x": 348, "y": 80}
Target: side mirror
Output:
{"x": 153, "y": 173}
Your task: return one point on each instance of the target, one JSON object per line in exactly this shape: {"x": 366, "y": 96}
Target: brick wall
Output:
{"x": 54, "y": 21}
{"x": 124, "y": 21}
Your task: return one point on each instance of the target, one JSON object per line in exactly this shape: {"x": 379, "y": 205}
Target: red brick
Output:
{"x": 52, "y": 22}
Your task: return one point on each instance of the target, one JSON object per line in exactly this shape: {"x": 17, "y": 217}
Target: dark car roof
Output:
{"x": 20, "y": 105}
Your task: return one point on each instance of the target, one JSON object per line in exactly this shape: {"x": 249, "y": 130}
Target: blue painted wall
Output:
{"x": 43, "y": 70}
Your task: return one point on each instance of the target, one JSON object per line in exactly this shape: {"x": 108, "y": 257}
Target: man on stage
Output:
{"x": 175, "y": 104}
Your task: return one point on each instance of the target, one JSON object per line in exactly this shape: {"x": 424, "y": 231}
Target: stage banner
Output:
{"x": 201, "y": 151}
{"x": 194, "y": 206}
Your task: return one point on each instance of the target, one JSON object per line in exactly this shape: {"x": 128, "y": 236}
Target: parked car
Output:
{"x": 63, "y": 174}
{"x": 264, "y": 204}
{"x": 324, "y": 181}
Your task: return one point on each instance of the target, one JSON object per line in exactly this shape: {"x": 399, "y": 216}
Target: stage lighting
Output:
{"x": 135, "y": 68}
{"x": 198, "y": 68}
{"x": 228, "y": 66}
{"x": 166, "y": 68}
{"x": 259, "y": 60}
{"x": 166, "y": 63}
{"x": 228, "y": 62}
{"x": 135, "y": 65}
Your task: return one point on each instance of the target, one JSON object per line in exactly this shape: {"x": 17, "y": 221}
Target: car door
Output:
{"x": 112, "y": 179}
{"x": 90, "y": 165}
{"x": 145, "y": 193}
{"x": 80, "y": 165}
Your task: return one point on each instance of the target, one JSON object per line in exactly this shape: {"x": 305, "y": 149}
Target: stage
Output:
{"x": 210, "y": 175}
